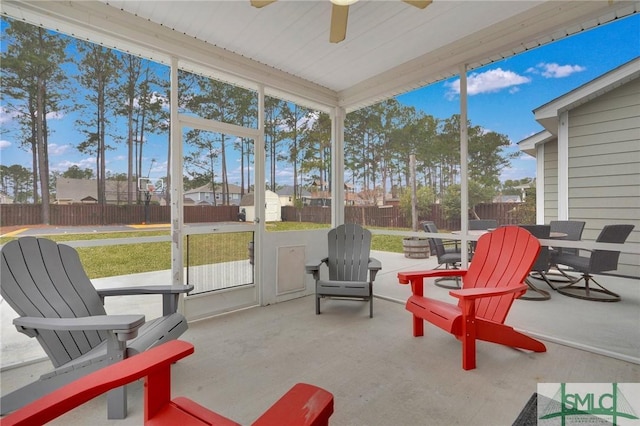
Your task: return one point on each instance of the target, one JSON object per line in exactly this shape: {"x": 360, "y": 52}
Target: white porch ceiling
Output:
{"x": 390, "y": 48}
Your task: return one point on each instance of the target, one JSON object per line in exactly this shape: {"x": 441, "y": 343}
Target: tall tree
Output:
{"x": 34, "y": 86}
{"x": 298, "y": 120}
{"x": 16, "y": 181}
{"x": 75, "y": 172}
{"x": 316, "y": 150}
{"x": 99, "y": 66}
{"x": 273, "y": 135}
{"x": 132, "y": 70}
{"x": 218, "y": 101}
{"x": 246, "y": 115}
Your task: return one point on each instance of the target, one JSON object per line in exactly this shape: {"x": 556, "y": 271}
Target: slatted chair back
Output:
{"x": 436, "y": 245}
{"x": 482, "y": 224}
{"x": 503, "y": 258}
{"x": 573, "y": 229}
{"x": 43, "y": 279}
{"x": 540, "y": 232}
{"x": 348, "y": 254}
{"x": 607, "y": 260}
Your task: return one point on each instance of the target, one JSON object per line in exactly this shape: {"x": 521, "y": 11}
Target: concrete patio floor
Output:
{"x": 378, "y": 373}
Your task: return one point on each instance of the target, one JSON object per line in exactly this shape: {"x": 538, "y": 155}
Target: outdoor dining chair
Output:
{"x": 447, "y": 252}
{"x": 573, "y": 232}
{"x": 596, "y": 262}
{"x": 541, "y": 265}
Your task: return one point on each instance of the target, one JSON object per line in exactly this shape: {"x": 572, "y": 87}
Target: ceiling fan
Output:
{"x": 340, "y": 14}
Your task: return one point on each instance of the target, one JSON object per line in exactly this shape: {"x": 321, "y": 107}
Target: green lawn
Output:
{"x": 112, "y": 260}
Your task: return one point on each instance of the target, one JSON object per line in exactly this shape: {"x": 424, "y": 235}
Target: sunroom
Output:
{"x": 283, "y": 51}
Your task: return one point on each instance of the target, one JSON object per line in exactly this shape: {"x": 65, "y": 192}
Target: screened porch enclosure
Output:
{"x": 258, "y": 52}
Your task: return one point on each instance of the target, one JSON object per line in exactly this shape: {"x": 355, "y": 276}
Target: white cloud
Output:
{"x": 55, "y": 149}
{"x": 4, "y": 144}
{"x": 554, "y": 70}
{"x": 86, "y": 163}
{"x": 6, "y": 116}
{"x": 490, "y": 81}
{"x": 154, "y": 99}
{"x": 55, "y": 115}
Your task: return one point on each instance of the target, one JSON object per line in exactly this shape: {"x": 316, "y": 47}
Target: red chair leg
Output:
{"x": 468, "y": 337}
{"x": 418, "y": 326}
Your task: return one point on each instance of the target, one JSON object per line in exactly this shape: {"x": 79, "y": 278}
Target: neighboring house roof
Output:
{"x": 507, "y": 199}
{"x": 76, "y": 190}
{"x": 233, "y": 189}
{"x": 270, "y": 197}
{"x": 287, "y": 191}
{"x": 547, "y": 114}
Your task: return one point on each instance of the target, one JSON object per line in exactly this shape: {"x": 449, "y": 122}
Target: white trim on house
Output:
{"x": 548, "y": 114}
{"x": 563, "y": 166}
{"x": 540, "y": 180}
{"x": 588, "y": 158}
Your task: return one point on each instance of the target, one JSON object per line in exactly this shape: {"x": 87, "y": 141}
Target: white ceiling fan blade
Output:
{"x": 420, "y": 4}
{"x": 339, "y": 16}
{"x": 261, "y": 3}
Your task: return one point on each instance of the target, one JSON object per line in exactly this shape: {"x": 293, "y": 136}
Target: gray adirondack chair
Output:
{"x": 46, "y": 285}
{"x": 348, "y": 262}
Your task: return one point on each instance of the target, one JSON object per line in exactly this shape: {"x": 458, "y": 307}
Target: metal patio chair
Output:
{"x": 598, "y": 261}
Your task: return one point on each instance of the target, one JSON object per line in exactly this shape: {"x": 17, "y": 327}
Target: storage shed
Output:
{"x": 272, "y": 207}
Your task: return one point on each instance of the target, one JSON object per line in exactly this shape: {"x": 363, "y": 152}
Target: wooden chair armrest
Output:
{"x": 416, "y": 278}
{"x": 407, "y": 277}
{"x": 314, "y": 264}
{"x": 302, "y": 405}
{"x": 374, "y": 267}
{"x": 124, "y": 326}
{"x": 478, "y": 293}
{"x": 374, "y": 264}
{"x": 152, "y": 289}
{"x": 170, "y": 294}
{"x": 64, "y": 399}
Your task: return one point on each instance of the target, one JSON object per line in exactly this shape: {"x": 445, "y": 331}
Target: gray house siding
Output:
{"x": 604, "y": 165}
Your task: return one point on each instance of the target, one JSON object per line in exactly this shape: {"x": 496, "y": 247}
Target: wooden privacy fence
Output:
{"x": 394, "y": 217}
{"x": 96, "y": 214}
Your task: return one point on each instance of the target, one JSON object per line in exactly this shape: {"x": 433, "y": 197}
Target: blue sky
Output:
{"x": 502, "y": 96}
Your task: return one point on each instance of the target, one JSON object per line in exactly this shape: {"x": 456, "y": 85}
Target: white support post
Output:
{"x": 563, "y": 166}
{"x": 464, "y": 174}
{"x": 260, "y": 188}
{"x": 337, "y": 166}
{"x": 540, "y": 213}
{"x": 175, "y": 159}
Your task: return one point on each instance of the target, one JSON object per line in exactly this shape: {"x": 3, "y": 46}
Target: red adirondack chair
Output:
{"x": 302, "y": 405}
{"x": 494, "y": 279}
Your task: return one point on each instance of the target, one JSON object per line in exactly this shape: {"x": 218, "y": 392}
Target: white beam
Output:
{"x": 177, "y": 190}
{"x": 540, "y": 195}
{"x": 563, "y": 166}
{"x": 464, "y": 171}
{"x": 337, "y": 166}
